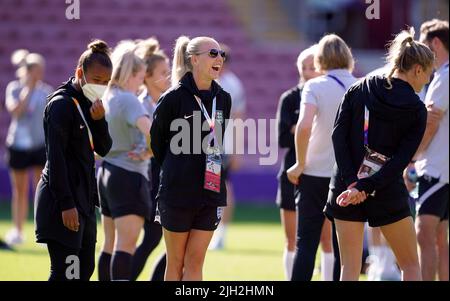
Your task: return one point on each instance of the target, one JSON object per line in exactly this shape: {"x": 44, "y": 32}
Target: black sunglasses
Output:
{"x": 215, "y": 52}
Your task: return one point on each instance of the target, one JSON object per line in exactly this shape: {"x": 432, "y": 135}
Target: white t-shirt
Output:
{"x": 233, "y": 85}
{"x": 434, "y": 161}
{"x": 325, "y": 93}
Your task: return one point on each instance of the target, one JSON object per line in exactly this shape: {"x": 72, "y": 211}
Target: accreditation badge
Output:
{"x": 372, "y": 163}
{"x": 213, "y": 169}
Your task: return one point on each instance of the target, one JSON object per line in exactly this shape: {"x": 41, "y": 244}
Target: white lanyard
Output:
{"x": 91, "y": 139}
{"x": 211, "y": 121}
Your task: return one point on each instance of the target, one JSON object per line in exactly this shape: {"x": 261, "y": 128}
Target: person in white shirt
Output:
{"x": 432, "y": 164}
{"x": 313, "y": 169}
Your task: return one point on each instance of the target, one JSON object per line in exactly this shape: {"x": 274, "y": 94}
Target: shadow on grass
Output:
{"x": 243, "y": 213}
{"x": 248, "y": 252}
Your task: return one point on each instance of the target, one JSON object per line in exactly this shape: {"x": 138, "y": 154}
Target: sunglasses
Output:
{"x": 214, "y": 53}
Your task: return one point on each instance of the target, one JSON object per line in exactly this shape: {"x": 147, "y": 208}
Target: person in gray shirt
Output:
{"x": 25, "y": 142}
{"x": 123, "y": 177}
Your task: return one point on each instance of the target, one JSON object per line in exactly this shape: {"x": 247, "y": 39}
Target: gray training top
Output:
{"x": 26, "y": 132}
{"x": 122, "y": 110}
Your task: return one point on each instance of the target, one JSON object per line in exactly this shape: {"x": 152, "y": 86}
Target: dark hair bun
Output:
{"x": 98, "y": 46}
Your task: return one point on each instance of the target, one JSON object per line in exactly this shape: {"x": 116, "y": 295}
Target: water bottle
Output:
{"x": 412, "y": 176}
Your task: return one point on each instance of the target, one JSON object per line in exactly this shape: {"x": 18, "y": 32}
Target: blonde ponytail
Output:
{"x": 181, "y": 60}
{"x": 149, "y": 51}
{"x": 125, "y": 63}
{"x": 405, "y": 52}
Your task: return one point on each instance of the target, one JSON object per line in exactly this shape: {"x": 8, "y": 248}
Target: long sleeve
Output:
{"x": 399, "y": 160}
{"x": 59, "y": 124}
{"x": 160, "y": 130}
{"x": 341, "y": 141}
{"x": 285, "y": 122}
{"x": 102, "y": 139}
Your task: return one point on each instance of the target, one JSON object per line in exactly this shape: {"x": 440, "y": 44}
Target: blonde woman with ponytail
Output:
{"x": 123, "y": 176}
{"x": 189, "y": 203}
{"x": 25, "y": 102}
{"x": 383, "y": 117}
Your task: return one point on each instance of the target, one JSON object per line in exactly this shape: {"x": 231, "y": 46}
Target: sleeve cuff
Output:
{"x": 350, "y": 180}
{"x": 66, "y": 204}
{"x": 363, "y": 185}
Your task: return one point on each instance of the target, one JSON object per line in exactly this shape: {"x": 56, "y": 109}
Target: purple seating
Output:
{"x": 41, "y": 26}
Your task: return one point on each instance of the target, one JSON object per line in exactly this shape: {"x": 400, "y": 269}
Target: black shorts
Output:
{"x": 312, "y": 197}
{"x": 378, "y": 211}
{"x": 285, "y": 193}
{"x": 433, "y": 197}
{"x": 123, "y": 192}
{"x": 180, "y": 219}
{"x": 24, "y": 159}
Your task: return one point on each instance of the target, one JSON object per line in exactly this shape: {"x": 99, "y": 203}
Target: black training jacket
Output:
{"x": 396, "y": 126}
{"x": 182, "y": 175}
{"x": 287, "y": 116}
{"x": 69, "y": 171}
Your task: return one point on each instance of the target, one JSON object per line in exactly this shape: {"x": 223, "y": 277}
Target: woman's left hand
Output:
{"x": 97, "y": 110}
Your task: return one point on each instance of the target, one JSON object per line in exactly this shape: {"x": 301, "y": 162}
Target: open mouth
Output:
{"x": 216, "y": 67}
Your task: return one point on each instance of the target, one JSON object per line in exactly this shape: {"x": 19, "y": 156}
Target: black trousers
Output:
{"x": 68, "y": 264}
{"x": 313, "y": 193}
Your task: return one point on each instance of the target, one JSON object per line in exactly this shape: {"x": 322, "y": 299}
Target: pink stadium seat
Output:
{"x": 40, "y": 26}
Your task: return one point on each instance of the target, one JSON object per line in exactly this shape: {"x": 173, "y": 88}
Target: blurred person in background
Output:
{"x": 25, "y": 142}
{"x": 287, "y": 117}
{"x": 233, "y": 85}
{"x": 432, "y": 161}
{"x": 156, "y": 82}
{"x": 123, "y": 176}
{"x": 66, "y": 196}
{"x": 313, "y": 168}
{"x": 380, "y": 122}
{"x": 4, "y": 245}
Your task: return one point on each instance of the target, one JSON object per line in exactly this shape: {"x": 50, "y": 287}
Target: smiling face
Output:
{"x": 207, "y": 66}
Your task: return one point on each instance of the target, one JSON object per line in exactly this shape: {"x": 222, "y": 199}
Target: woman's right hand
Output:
{"x": 70, "y": 219}
{"x": 294, "y": 173}
{"x": 351, "y": 196}
{"x": 140, "y": 155}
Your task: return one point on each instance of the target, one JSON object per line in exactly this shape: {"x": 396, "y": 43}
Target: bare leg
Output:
{"x": 402, "y": 239}
{"x": 350, "y": 237}
{"x": 194, "y": 258}
{"x": 176, "y": 243}
{"x": 289, "y": 222}
{"x": 442, "y": 246}
{"x": 427, "y": 227}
